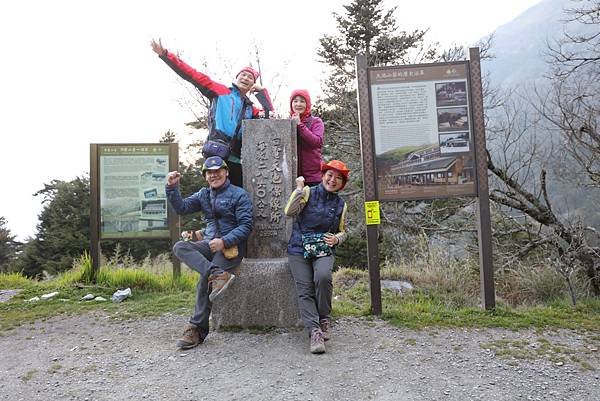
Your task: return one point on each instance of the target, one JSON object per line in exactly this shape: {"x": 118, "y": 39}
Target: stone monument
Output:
{"x": 263, "y": 293}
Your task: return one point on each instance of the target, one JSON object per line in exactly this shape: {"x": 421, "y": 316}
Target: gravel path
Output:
{"x": 93, "y": 357}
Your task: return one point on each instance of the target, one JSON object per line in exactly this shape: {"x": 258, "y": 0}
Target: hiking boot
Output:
{"x": 219, "y": 283}
{"x": 325, "y": 328}
{"x": 317, "y": 343}
{"x": 191, "y": 337}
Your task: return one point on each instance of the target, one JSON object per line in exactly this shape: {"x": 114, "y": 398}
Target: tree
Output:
{"x": 63, "y": 230}
{"x": 573, "y": 105}
{"x": 519, "y": 162}
{"x": 367, "y": 28}
{"x": 8, "y": 245}
{"x": 168, "y": 137}
{"x": 579, "y": 49}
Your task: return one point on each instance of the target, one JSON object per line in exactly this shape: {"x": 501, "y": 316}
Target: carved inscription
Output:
{"x": 268, "y": 188}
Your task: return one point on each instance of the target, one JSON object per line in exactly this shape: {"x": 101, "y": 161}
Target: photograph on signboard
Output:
{"x": 451, "y": 93}
{"x": 132, "y": 191}
{"x": 421, "y": 131}
{"x": 455, "y": 142}
{"x": 452, "y": 119}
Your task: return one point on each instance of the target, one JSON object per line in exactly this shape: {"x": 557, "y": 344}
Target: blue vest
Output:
{"x": 321, "y": 214}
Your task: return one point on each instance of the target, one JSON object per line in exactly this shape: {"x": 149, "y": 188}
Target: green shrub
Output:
{"x": 13, "y": 281}
{"x": 530, "y": 284}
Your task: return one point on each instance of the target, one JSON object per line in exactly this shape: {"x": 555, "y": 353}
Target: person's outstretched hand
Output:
{"x": 157, "y": 47}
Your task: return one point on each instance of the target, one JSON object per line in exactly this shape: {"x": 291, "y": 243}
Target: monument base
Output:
{"x": 262, "y": 295}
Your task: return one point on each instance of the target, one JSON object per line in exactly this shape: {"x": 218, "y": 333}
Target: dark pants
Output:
{"x": 198, "y": 256}
{"x": 235, "y": 174}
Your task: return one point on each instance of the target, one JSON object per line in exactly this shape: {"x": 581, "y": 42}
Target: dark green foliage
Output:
{"x": 191, "y": 182}
{"x": 364, "y": 28}
{"x": 353, "y": 252}
{"x": 8, "y": 246}
{"x": 168, "y": 137}
{"x": 367, "y": 28}
{"x": 63, "y": 230}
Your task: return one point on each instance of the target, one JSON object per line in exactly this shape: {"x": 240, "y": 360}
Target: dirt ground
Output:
{"x": 95, "y": 357}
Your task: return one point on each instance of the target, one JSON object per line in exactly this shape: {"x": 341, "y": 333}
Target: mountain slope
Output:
{"x": 520, "y": 45}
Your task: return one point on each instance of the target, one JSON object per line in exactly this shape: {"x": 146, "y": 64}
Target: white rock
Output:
{"x": 87, "y": 297}
{"x": 50, "y": 295}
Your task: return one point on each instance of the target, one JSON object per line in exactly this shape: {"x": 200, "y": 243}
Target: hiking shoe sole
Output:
{"x": 182, "y": 345}
{"x": 215, "y": 294}
{"x": 318, "y": 350}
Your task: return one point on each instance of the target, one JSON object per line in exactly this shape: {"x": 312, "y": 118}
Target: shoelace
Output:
{"x": 316, "y": 337}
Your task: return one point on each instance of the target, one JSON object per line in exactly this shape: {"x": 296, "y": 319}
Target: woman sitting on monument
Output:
{"x": 319, "y": 227}
{"x": 310, "y": 131}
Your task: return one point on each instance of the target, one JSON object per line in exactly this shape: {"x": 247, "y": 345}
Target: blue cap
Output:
{"x": 214, "y": 163}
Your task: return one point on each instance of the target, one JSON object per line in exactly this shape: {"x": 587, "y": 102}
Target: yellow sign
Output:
{"x": 372, "y": 212}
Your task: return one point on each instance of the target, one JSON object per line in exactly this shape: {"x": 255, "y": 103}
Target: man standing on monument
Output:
{"x": 228, "y": 107}
{"x": 228, "y": 212}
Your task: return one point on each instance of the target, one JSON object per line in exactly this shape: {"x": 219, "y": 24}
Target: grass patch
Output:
{"x": 140, "y": 304}
{"x": 9, "y": 281}
{"x": 29, "y": 375}
{"x": 541, "y": 348}
{"x": 152, "y": 294}
{"x": 54, "y": 368}
{"x": 434, "y": 306}
{"x": 89, "y": 368}
{"x": 351, "y": 293}
{"x": 420, "y": 309}
{"x": 437, "y": 300}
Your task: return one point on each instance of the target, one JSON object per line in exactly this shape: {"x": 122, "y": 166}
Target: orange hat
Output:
{"x": 251, "y": 70}
{"x": 338, "y": 166}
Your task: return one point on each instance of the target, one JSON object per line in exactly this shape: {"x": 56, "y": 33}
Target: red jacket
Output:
{"x": 228, "y": 106}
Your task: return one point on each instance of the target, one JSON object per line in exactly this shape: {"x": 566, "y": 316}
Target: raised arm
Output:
{"x": 297, "y": 199}
{"x": 262, "y": 95}
{"x": 205, "y": 85}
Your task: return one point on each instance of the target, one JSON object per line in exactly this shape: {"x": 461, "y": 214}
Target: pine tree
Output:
{"x": 367, "y": 28}
{"x": 8, "y": 246}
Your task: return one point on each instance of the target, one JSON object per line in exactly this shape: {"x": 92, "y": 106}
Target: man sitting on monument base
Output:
{"x": 228, "y": 212}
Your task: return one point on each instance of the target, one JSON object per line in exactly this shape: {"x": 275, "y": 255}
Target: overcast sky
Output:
{"x": 81, "y": 72}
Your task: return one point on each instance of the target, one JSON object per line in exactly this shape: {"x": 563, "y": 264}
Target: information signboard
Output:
{"x": 133, "y": 201}
{"x": 422, "y": 131}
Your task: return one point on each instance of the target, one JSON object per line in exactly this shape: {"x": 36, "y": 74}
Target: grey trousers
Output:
{"x": 314, "y": 287}
{"x": 198, "y": 256}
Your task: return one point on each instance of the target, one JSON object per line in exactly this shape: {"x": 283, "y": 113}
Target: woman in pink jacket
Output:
{"x": 310, "y": 137}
